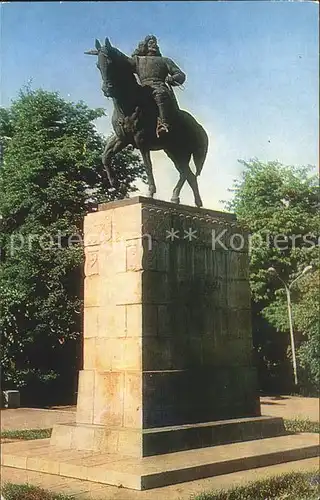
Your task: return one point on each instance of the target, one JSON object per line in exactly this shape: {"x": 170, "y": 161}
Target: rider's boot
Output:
{"x": 163, "y": 122}
{"x": 162, "y": 127}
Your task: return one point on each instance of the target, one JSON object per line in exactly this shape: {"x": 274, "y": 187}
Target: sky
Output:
{"x": 252, "y": 73}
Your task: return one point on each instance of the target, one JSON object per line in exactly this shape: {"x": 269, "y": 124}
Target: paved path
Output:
{"x": 85, "y": 490}
{"x": 291, "y": 407}
{"x": 32, "y": 418}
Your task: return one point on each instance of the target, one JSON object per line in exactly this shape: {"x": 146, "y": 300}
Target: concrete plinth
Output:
{"x": 168, "y": 389}
{"x": 161, "y": 440}
{"x": 161, "y": 470}
{"x": 167, "y": 334}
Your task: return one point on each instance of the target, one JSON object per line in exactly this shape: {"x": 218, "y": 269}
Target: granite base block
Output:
{"x": 162, "y": 470}
{"x": 164, "y": 440}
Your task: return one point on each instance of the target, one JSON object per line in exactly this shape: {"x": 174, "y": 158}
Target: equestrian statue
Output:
{"x": 146, "y": 112}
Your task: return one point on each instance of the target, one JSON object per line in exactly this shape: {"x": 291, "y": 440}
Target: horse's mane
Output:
{"x": 125, "y": 67}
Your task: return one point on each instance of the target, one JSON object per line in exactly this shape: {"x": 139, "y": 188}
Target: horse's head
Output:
{"x": 114, "y": 68}
{"x": 106, "y": 66}
{"x": 104, "y": 50}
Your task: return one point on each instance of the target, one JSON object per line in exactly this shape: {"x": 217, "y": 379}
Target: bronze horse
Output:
{"x": 134, "y": 122}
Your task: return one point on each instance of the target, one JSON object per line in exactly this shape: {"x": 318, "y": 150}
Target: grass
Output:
{"x": 291, "y": 486}
{"x": 301, "y": 425}
{"x": 27, "y": 434}
{"x": 28, "y": 492}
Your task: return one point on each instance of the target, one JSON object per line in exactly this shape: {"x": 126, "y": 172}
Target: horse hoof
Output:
{"x": 151, "y": 192}
{"x": 175, "y": 200}
{"x": 198, "y": 203}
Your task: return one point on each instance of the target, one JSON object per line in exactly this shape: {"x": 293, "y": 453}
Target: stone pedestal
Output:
{"x": 167, "y": 333}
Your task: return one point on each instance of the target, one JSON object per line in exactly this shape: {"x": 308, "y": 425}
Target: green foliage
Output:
{"x": 277, "y": 202}
{"x": 27, "y": 492}
{"x": 50, "y": 177}
{"x": 279, "y": 206}
{"x": 292, "y": 486}
{"x": 307, "y": 320}
{"x": 27, "y": 434}
{"x": 300, "y": 425}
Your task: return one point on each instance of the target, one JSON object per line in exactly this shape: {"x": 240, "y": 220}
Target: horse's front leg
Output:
{"x": 148, "y": 166}
{"x": 114, "y": 145}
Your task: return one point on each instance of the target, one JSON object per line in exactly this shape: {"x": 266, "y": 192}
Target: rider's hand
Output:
{"x": 170, "y": 80}
{"x": 105, "y": 90}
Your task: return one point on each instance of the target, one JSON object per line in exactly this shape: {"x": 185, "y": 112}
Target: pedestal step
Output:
{"x": 162, "y": 440}
{"x": 161, "y": 470}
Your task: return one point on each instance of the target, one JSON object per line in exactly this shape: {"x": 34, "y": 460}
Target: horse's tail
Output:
{"x": 200, "y": 148}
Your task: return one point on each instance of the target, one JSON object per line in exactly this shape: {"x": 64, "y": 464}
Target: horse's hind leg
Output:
{"x": 148, "y": 166}
{"x": 114, "y": 145}
{"x": 182, "y": 165}
{"x": 175, "y": 198}
{"x": 193, "y": 183}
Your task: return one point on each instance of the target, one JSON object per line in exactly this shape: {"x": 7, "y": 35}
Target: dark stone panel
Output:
{"x": 198, "y": 395}
{"x": 168, "y": 440}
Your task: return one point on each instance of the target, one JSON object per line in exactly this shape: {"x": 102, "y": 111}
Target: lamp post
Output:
{"x": 288, "y": 287}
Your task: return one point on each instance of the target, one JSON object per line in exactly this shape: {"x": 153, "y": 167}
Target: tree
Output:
{"x": 279, "y": 205}
{"x": 307, "y": 319}
{"x": 50, "y": 177}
